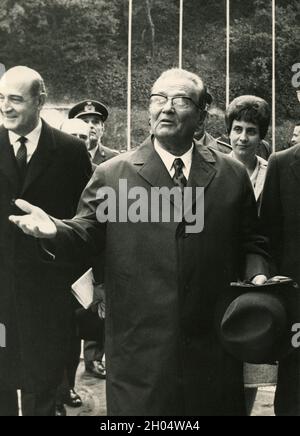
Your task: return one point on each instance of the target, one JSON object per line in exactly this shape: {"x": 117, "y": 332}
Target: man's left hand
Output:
{"x": 259, "y": 280}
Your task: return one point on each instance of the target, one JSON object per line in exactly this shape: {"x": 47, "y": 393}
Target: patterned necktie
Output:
{"x": 179, "y": 178}
{"x": 21, "y": 156}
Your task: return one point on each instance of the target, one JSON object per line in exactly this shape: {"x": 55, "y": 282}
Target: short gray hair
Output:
{"x": 204, "y": 97}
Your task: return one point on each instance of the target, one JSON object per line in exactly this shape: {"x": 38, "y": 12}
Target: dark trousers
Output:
{"x": 93, "y": 350}
{"x": 8, "y": 403}
{"x": 33, "y": 404}
{"x": 73, "y": 359}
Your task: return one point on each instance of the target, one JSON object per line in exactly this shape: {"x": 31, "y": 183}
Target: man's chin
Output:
{"x": 165, "y": 132}
{"x": 10, "y": 124}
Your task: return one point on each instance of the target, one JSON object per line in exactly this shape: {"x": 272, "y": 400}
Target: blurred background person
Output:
{"x": 296, "y": 135}
{"x": 203, "y": 138}
{"x": 77, "y": 128}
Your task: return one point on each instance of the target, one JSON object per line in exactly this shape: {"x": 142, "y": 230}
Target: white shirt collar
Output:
{"x": 260, "y": 162}
{"x": 168, "y": 159}
{"x": 32, "y": 140}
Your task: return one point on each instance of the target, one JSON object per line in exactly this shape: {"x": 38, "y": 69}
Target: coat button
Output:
{"x": 12, "y": 202}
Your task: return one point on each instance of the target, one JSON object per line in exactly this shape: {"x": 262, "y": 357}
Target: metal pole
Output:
{"x": 180, "y": 32}
{"x": 273, "y": 75}
{"x": 227, "y": 52}
{"x": 129, "y": 75}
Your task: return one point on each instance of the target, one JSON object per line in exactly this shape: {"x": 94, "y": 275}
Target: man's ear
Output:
{"x": 42, "y": 100}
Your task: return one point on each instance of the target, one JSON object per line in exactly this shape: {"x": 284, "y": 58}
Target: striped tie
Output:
{"x": 21, "y": 157}
{"x": 179, "y": 178}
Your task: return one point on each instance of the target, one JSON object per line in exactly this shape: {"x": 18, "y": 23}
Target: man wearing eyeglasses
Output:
{"x": 162, "y": 282}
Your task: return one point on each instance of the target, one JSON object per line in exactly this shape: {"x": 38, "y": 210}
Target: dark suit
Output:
{"x": 35, "y": 294}
{"x": 162, "y": 350}
{"x": 281, "y": 220}
{"x": 94, "y": 350}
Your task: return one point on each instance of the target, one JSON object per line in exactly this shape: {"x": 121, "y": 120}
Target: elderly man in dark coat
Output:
{"x": 48, "y": 168}
{"x": 281, "y": 220}
{"x": 163, "y": 281}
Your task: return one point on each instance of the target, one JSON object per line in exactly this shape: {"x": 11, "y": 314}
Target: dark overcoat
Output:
{"x": 162, "y": 350}
{"x": 280, "y": 214}
{"x": 34, "y": 293}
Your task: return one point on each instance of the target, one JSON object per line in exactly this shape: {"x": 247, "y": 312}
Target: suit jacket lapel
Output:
{"x": 42, "y": 157}
{"x": 153, "y": 170}
{"x": 8, "y": 164}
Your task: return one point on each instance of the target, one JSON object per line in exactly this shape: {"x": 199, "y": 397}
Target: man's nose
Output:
{"x": 168, "y": 106}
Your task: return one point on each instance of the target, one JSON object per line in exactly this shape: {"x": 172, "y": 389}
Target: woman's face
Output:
{"x": 244, "y": 139}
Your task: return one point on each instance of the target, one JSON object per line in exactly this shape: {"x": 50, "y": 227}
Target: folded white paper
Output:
{"x": 83, "y": 289}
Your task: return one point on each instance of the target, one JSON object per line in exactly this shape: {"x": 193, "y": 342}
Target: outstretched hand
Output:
{"x": 35, "y": 223}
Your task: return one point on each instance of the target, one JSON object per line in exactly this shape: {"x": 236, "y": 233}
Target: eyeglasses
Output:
{"x": 178, "y": 101}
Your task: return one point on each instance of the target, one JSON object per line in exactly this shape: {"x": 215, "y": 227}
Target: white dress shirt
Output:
{"x": 31, "y": 143}
{"x": 168, "y": 159}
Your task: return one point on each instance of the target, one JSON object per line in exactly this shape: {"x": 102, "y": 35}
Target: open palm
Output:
{"x": 35, "y": 223}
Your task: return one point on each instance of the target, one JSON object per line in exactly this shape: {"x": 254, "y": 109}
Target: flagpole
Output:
{"x": 129, "y": 75}
{"x": 273, "y": 75}
{"x": 180, "y": 32}
{"x": 227, "y": 52}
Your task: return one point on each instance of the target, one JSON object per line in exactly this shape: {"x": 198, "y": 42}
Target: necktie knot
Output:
{"x": 178, "y": 164}
{"x": 22, "y": 140}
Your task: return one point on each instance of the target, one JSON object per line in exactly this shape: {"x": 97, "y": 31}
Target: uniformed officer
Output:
{"x": 94, "y": 114}
{"x": 205, "y": 139}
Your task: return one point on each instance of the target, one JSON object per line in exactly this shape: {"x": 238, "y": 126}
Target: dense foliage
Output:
{"x": 80, "y": 46}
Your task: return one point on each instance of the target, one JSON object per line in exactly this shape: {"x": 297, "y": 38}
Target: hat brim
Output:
{"x": 102, "y": 116}
{"x": 254, "y": 323}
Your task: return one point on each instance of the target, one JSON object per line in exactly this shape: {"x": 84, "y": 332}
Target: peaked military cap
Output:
{"x": 88, "y": 107}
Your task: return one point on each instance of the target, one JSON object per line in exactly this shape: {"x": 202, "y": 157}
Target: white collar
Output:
{"x": 168, "y": 159}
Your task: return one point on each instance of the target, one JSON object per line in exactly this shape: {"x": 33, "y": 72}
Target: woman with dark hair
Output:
{"x": 247, "y": 120}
